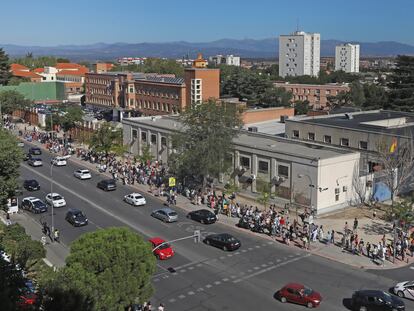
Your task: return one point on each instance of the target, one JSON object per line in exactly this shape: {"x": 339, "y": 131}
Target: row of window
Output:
{"x": 158, "y": 93}
{"x": 263, "y": 167}
{"x": 99, "y": 81}
{"x": 100, "y": 91}
{"x": 146, "y": 104}
{"x": 100, "y": 101}
{"x": 328, "y": 140}
{"x": 153, "y": 137}
{"x": 69, "y": 79}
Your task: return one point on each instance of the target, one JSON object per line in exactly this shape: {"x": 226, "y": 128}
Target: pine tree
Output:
{"x": 4, "y": 68}
{"x": 401, "y": 94}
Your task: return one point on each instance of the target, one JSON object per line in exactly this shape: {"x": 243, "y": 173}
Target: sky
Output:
{"x": 57, "y": 22}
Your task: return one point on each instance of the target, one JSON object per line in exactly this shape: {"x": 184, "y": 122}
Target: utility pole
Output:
{"x": 51, "y": 183}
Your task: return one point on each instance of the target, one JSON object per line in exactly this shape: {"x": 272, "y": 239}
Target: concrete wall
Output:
{"x": 260, "y": 115}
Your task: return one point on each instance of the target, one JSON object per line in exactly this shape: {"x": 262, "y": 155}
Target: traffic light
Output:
{"x": 197, "y": 236}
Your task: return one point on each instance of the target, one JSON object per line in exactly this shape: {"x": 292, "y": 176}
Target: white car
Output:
{"x": 82, "y": 174}
{"x": 35, "y": 162}
{"x": 405, "y": 289}
{"x": 135, "y": 199}
{"x": 59, "y": 161}
{"x": 55, "y": 199}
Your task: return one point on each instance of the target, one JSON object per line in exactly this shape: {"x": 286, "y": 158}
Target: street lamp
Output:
{"x": 310, "y": 219}
{"x": 51, "y": 184}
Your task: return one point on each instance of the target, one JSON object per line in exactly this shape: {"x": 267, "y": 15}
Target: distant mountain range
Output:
{"x": 246, "y": 48}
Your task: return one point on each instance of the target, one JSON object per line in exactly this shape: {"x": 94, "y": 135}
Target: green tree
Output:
{"x": 204, "y": 142}
{"x": 154, "y": 65}
{"x": 72, "y": 116}
{"x": 11, "y": 100}
{"x": 17, "y": 80}
{"x": 401, "y": 85}
{"x": 276, "y": 97}
{"x": 375, "y": 97}
{"x": 107, "y": 138}
{"x": 301, "y": 107}
{"x": 146, "y": 154}
{"x": 4, "y": 68}
{"x": 264, "y": 189}
{"x": 10, "y": 158}
{"x": 11, "y": 281}
{"x": 112, "y": 268}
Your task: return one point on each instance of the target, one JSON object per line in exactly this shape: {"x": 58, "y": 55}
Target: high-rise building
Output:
{"x": 347, "y": 57}
{"x": 299, "y": 54}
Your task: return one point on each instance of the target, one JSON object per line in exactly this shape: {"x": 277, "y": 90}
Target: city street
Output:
{"x": 205, "y": 278}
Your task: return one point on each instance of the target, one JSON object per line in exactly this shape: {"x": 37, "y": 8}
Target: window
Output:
{"x": 363, "y": 145}
{"x": 263, "y": 167}
{"x": 153, "y": 138}
{"x": 345, "y": 142}
{"x": 327, "y": 139}
{"x": 245, "y": 162}
{"x": 283, "y": 171}
{"x": 311, "y": 136}
{"x": 163, "y": 141}
{"x": 144, "y": 137}
{"x": 134, "y": 134}
{"x": 295, "y": 134}
{"x": 337, "y": 191}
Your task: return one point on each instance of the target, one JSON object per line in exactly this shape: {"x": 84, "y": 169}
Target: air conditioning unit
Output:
{"x": 252, "y": 129}
{"x": 283, "y": 118}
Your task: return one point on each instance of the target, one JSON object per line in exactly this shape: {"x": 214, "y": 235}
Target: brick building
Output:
{"x": 316, "y": 95}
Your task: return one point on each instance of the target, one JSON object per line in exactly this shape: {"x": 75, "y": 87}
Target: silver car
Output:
{"x": 165, "y": 214}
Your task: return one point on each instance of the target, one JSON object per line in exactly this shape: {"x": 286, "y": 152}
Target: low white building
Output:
{"x": 48, "y": 74}
{"x": 347, "y": 57}
{"x": 302, "y": 173}
{"x": 230, "y": 60}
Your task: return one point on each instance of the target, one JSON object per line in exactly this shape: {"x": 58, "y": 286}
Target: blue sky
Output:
{"x": 54, "y": 22}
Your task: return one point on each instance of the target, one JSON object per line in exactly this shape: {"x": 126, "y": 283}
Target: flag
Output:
{"x": 393, "y": 145}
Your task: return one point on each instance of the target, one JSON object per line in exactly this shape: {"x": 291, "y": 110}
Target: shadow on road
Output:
{"x": 346, "y": 302}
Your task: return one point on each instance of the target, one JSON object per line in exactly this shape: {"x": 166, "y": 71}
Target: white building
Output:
{"x": 347, "y": 57}
{"x": 48, "y": 74}
{"x": 226, "y": 60}
{"x": 299, "y": 54}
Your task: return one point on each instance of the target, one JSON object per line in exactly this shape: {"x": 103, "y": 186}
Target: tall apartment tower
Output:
{"x": 347, "y": 57}
{"x": 299, "y": 54}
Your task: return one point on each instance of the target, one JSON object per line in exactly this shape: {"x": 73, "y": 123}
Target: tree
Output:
{"x": 10, "y": 158}
{"x": 204, "y": 142}
{"x": 146, "y": 154}
{"x": 401, "y": 85}
{"x": 154, "y": 65}
{"x": 4, "y": 68}
{"x": 359, "y": 185}
{"x": 107, "y": 138}
{"x": 17, "y": 80}
{"x": 301, "y": 107}
{"x": 73, "y": 115}
{"x": 265, "y": 191}
{"x": 276, "y": 97}
{"x": 11, "y": 280}
{"x": 111, "y": 267}
{"x": 375, "y": 97}
{"x": 11, "y": 100}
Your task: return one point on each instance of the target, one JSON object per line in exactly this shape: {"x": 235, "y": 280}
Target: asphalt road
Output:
{"x": 206, "y": 278}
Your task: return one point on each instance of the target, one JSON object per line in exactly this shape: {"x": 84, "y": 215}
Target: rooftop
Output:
{"x": 254, "y": 140}
{"x": 376, "y": 121}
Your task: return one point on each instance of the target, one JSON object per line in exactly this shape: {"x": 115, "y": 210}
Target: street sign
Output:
{"x": 171, "y": 182}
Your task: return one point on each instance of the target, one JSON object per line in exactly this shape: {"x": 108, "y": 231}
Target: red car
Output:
{"x": 26, "y": 300}
{"x": 300, "y": 294}
{"x": 163, "y": 252}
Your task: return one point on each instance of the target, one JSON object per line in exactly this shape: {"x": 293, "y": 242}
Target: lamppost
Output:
{"x": 310, "y": 219}
{"x": 51, "y": 182}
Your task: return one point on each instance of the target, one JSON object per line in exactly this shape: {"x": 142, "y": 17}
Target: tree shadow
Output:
{"x": 58, "y": 299}
{"x": 376, "y": 228}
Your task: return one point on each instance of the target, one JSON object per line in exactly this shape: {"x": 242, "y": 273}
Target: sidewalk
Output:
{"x": 370, "y": 230}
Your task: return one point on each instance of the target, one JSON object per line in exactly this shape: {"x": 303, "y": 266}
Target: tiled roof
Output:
{"x": 26, "y": 74}
{"x": 14, "y": 67}
{"x": 39, "y": 70}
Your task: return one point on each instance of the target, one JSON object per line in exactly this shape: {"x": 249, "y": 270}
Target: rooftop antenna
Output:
{"x": 297, "y": 24}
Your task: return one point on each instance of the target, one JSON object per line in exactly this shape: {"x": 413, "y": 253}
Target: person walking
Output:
{"x": 56, "y": 235}
{"x": 161, "y": 307}
{"x": 8, "y": 221}
{"x": 355, "y": 224}
{"x": 333, "y": 237}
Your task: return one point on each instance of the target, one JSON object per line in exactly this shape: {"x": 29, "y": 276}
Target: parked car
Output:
{"x": 33, "y": 205}
{"x": 404, "y": 289}
{"x": 55, "y": 199}
{"x": 59, "y": 161}
{"x": 82, "y": 174}
{"x": 35, "y": 151}
{"x": 27, "y": 156}
{"x": 225, "y": 241}
{"x": 76, "y": 217}
{"x": 107, "y": 184}
{"x": 35, "y": 162}
{"x": 163, "y": 252}
{"x": 165, "y": 214}
{"x": 31, "y": 185}
{"x": 203, "y": 215}
{"x": 376, "y": 300}
{"x": 300, "y": 294}
{"x": 135, "y": 199}
{"x": 26, "y": 300}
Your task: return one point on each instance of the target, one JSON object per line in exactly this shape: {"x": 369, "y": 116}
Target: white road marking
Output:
{"x": 217, "y": 282}
{"x": 209, "y": 286}
{"x": 171, "y": 300}
{"x": 190, "y": 293}
{"x": 181, "y": 296}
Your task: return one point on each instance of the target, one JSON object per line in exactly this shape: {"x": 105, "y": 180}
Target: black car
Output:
{"x": 35, "y": 151}
{"x": 31, "y": 185}
{"x": 203, "y": 215}
{"x": 27, "y": 156}
{"x": 376, "y": 300}
{"x": 223, "y": 240}
{"x": 76, "y": 217}
{"x": 107, "y": 184}
{"x": 34, "y": 205}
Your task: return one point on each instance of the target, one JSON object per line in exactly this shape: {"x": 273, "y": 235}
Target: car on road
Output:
{"x": 107, "y": 184}
{"x": 76, "y": 217}
{"x": 82, "y": 174}
{"x": 163, "y": 252}
{"x": 375, "y": 300}
{"x": 225, "y": 241}
{"x": 55, "y": 199}
{"x": 404, "y": 289}
{"x": 26, "y": 300}
{"x": 300, "y": 294}
{"x": 135, "y": 199}
{"x": 165, "y": 214}
{"x": 35, "y": 151}
{"x": 59, "y": 161}
{"x": 27, "y": 156}
{"x": 33, "y": 205}
{"x": 31, "y": 185}
{"x": 35, "y": 162}
{"x": 203, "y": 215}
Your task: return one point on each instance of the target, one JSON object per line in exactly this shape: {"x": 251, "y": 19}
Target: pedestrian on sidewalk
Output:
{"x": 328, "y": 238}
{"x": 368, "y": 247}
{"x": 8, "y": 221}
{"x": 161, "y": 307}
{"x": 333, "y": 237}
{"x": 56, "y": 235}
{"x": 355, "y": 224}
